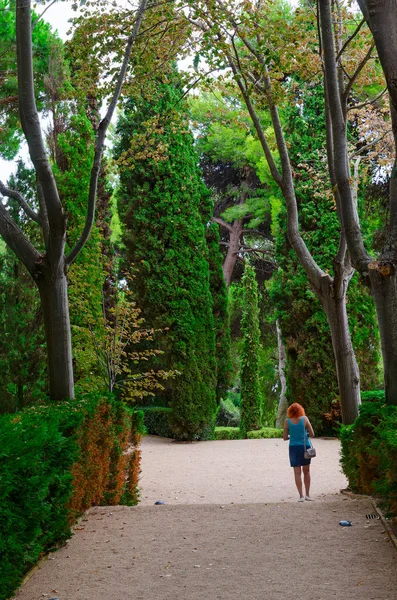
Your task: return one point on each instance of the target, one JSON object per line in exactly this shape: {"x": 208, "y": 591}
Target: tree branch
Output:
{"x": 101, "y": 136}
{"x": 43, "y": 13}
{"x": 32, "y": 128}
{"x": 222, "y": 223}
{"x": 368, "y": 102}
{"x": 341, "y": 168}
{"x": 349, "y": 39}
{"x": 18, "y": 242}
{"x": 21, "y": 201}
{"x": 357, "y": 72}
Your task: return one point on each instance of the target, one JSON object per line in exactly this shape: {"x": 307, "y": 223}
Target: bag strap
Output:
{"x": 306, "y": 439}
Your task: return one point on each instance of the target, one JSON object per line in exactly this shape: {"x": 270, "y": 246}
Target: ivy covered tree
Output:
{"x": 159, "y": 204}
{"x": 251, "y": 347}
{"x": 220, "y": 311}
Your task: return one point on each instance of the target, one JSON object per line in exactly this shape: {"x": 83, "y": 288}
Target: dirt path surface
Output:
{"x": 231, "y": 471}
{"x": 251, "y": 547}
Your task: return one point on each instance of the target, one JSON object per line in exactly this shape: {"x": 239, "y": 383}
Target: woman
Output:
{"x": 297, "y": 428}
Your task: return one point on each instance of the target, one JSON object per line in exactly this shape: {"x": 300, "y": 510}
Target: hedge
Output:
{"x": 56, "y": 461}
{"x": 156, "y": 420}
{"x": 266, "y": 432}
{"x": 369, "y": 453}
{"x": 233, "y": 433}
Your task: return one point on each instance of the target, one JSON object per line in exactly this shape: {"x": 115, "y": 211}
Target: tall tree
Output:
{"x": 381, "y": 272}
{"x": 49, "y": 268}
{"x": 250, "y": 390}
{"x": 160, "y": 195}
{"x": 259, "y": 66}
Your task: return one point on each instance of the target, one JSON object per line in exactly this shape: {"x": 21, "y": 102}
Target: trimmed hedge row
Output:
{"x": 369, "y": 453}
{"x": 156, "y": 419}
{"x": 233, "y": 433}
{"x": 266, "y": 432}
{"x": 56, "y": 461}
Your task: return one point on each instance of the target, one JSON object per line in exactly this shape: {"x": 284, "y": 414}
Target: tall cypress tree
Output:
{"x": 250, "y": 388}
{"x": 159, "y": 205}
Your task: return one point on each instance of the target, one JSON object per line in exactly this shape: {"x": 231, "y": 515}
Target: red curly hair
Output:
{"x": 295, "y": 411}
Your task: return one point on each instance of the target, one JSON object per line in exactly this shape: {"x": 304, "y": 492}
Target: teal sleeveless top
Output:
{"x": 297, "y": 432}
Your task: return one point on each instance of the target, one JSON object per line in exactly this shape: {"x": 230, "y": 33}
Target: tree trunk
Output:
{"x": 384, "y": 292}
{"x": 346, "y": 365}
{"x": 233, "y": 250}
{"x": 283, "y": 402}
{"x": 54, "y": 299}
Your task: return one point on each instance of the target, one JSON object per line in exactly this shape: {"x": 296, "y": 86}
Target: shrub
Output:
{"x": 235, "y": 396}
{"x": 226, "y": 433}
{"x": 266, "y": 432}
{"x": 233, "y": 433}
{"x": 228, "y": 414}
{"x": 373, "y": 396}
{"x": 156, "y": 419}
{"x": 55, "y": 461}
{"x": 369, "y": 452}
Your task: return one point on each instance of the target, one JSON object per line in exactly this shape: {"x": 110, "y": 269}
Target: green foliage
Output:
{"x": 233, "y": 433}
{"x": 42, "y": 450}
{"x": 369, "y": 452}
{"x": 265, "y": 432}
{"x": 159, "y": 203}
{"x": 226, "y": 433}
{"x": 250, "y": 390}
{"x": 228, "y": 414}
{"x": 22, "y": 350}
{"x": 373, "y": 396}
{"x": 157, "y": 421}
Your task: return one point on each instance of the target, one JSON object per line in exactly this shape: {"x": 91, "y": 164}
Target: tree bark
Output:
{"x": 54, "y": 298}
{"x": 283, "y": 401}
{"x": 232, "y": 251}
{"x": 384, "y": 292}
{"x": 382, "y": 20}
{"x": 334, "y": 303}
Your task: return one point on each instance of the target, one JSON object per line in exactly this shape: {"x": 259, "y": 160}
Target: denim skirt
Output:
{"x": 296, "y": 457}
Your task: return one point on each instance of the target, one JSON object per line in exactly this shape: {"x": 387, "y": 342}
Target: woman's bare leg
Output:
{"x": 306, "y": 479}
{"x": 298, "y": 480}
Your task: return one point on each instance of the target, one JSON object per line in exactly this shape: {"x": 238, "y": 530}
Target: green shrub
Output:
{"x": 369, "y": 453}
{"x": 156, "y": 420}
{"x": 373, "y": 396}
{"x": 265, "y": 432}
{"x": 233, "y": 433}
{"x": 226, "y": 433}
{"x": 228, "y": 414}
{"x": 54, "y": 461}
{"x": 234, "y": 396}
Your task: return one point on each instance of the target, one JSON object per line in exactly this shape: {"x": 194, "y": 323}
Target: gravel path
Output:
{"x": 225, "y": 534}
{"x": 232, "y": 471}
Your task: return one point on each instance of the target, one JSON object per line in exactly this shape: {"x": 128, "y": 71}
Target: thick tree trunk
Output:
{"x": 346, "y": 365}
{"x": 54, "y": 299}
{"x": 283, "y": 402}
{"x": 233, "y": 249}
{"x": 384, "y": 292}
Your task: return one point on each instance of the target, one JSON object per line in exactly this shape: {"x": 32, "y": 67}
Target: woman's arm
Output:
{"x": 309, "y": 427}
{"x": 285, "y": 434}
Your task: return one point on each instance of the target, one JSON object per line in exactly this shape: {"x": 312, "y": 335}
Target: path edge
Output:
{"x": 383, "y": 519}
